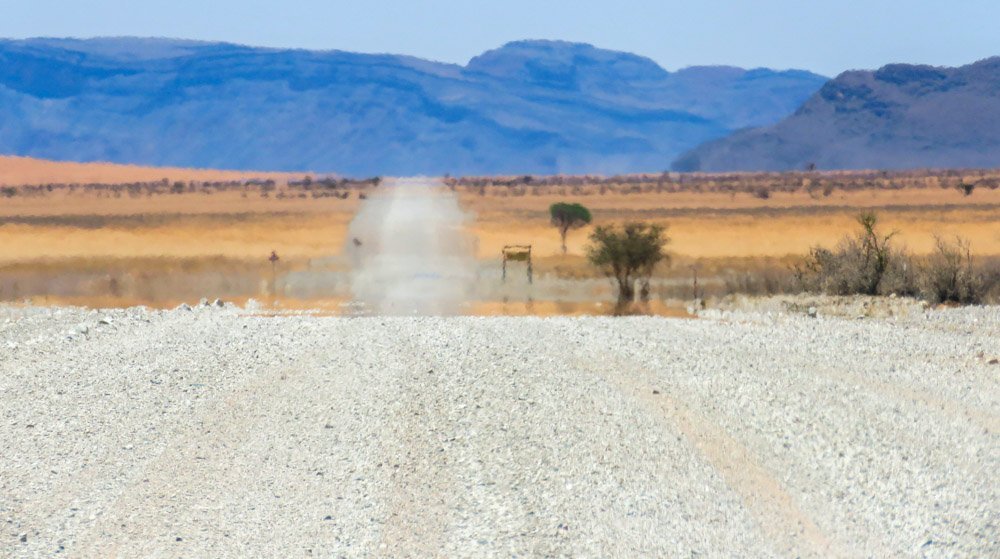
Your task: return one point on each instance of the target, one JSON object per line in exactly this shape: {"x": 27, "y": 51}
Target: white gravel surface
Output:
{"x": 214, "y": 433}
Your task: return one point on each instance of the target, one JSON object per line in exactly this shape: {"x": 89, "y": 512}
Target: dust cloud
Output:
{"x": 410, "y": 252}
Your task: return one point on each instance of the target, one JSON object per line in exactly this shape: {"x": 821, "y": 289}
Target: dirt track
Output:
{"x": 214, "y": 433}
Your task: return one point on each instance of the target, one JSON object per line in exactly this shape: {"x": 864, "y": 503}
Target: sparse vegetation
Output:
{"x": 627, "y": 255}
{"x": 761, "y": 282}
{"x": 868, "y": 264}
{"x": 949, "y": 275}
{"x": 759, "y": 185}
{"x": 742, "y": 243}
{"x": 327, "y": 187}
{"x": 863, "y": 264}
{"x": 566, "y": 216}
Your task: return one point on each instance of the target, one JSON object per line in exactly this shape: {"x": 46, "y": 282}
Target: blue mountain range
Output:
{"x": 897, "y": 117}
{"x": 526, "y": 107}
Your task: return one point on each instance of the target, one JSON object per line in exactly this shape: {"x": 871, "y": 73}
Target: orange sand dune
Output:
{"x": 16, "y": 171}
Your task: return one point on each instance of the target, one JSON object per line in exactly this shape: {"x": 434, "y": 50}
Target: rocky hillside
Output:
{"x": 528, "y": 107}
{"x": 897, "y": 117}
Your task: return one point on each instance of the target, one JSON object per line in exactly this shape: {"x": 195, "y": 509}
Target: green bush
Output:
{"x": 627, "y": 255}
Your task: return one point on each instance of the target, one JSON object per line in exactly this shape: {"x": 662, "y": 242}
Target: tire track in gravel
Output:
{"x": 210, "y": 464}
{"x": 75, "y": 505}
{"x": 937, "y": 403}
{"x": 983, "y": 419}
{"x": 211, "y": 439}
{"x": 417, "y": 502}
{"x": 841, "y": 522}
{"x": 776, "y": 510}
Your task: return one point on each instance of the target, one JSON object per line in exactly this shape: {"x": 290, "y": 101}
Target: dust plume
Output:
{"x": 410, "y": 251}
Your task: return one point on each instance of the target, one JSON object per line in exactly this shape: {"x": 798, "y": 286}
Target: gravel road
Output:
{"x": 215, "y": 433}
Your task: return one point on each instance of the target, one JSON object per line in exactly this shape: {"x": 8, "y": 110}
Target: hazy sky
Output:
{"x": 826, "y": 36}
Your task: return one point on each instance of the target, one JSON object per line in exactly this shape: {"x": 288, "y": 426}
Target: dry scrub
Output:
{"x": 869, "y": 263}
{"x": 721, "y": 228}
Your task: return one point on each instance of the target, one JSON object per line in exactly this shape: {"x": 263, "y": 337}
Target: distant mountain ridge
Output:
{"x": 527, "y": 107}
{"x": 900, "y": 116}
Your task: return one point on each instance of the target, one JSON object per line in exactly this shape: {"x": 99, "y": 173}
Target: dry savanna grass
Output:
{"x": 316, "y": 234}
{"x": 710, "y": 226}
{"x": 713, "y": 225}
{"x": 228, "y": 224}
{"x": 248, "y": 236}
{"x": 15, "y": 171}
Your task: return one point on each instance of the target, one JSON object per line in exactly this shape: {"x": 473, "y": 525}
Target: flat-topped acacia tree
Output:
{"x": 566, "y": 216}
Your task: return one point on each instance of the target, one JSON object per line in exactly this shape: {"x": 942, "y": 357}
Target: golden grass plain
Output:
{"x": 16, "y": 171}
{"x": 61, "y": 232}
{"x": 708, "y": 225}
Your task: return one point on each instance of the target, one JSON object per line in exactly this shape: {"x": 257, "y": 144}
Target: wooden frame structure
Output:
{"x": 517, "y": 253}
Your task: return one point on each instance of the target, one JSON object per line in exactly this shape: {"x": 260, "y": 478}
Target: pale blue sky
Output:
{"x": 826, "y": 37}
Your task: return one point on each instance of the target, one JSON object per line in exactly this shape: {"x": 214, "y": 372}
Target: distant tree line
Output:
{"x": 760, "y": 185}
{"x": 307, "y": 187}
